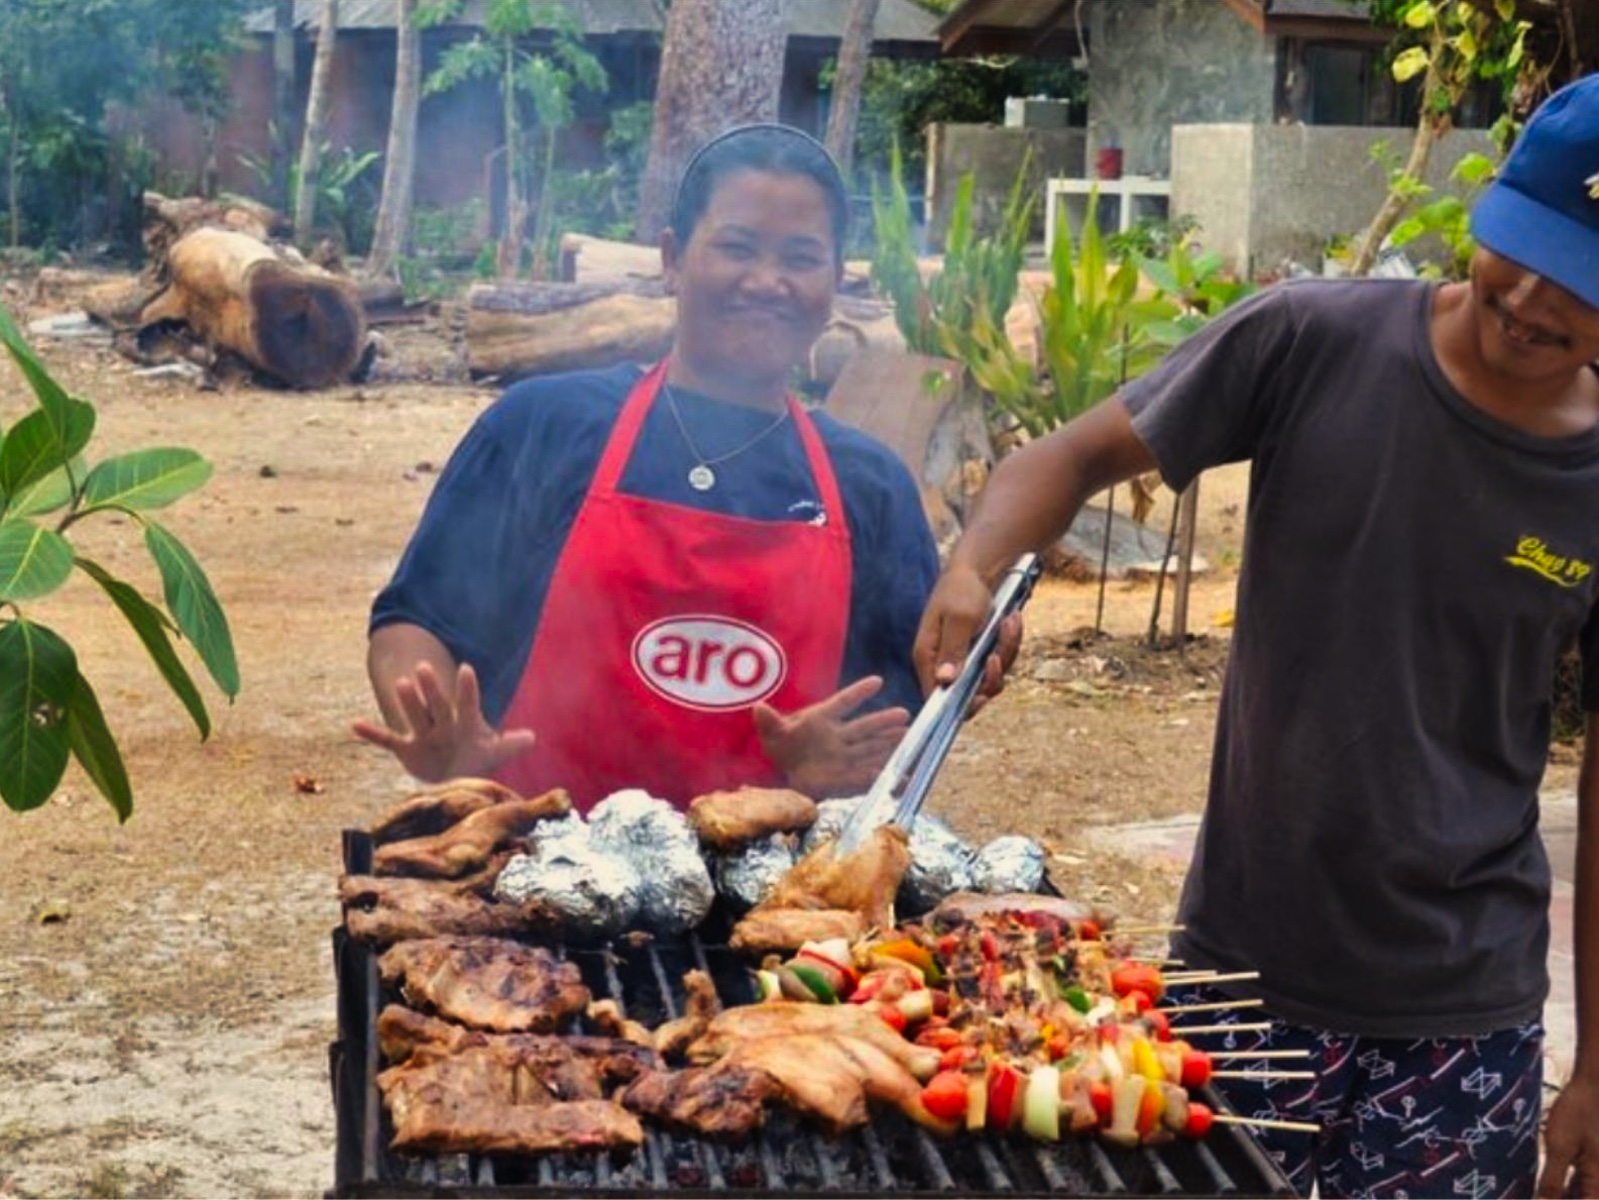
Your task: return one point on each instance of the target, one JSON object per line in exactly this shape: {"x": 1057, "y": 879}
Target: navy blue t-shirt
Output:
{"x": 478, "y": 566}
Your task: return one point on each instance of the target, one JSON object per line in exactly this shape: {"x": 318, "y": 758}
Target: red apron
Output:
{"x": 663, "y": 625}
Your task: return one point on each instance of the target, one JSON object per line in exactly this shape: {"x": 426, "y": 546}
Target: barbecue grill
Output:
{"x": 889, "y": 1157}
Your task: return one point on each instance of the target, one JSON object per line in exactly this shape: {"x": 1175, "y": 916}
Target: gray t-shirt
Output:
{"x": 1412, "y": 568}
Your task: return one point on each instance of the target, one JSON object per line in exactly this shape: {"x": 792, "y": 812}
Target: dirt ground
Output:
{"x": 166, "y": 987}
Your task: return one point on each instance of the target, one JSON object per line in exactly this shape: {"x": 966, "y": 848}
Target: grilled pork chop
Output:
{"x": 381, "y": 911}
{"x": 497, "y": 1098}
{"x": 435, "y": 809}
{"x": 728, "y": 820}
{"x": 471, "y": 842}
{"x": 785, "y": 930}
{"x": 487, "y": 983}
{"x": 721, "y": 1101}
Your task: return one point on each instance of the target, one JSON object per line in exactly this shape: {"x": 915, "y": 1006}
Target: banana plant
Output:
{"x": 49, "y": 713}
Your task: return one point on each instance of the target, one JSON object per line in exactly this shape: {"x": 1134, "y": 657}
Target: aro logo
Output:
{"x": 710, "y": 663}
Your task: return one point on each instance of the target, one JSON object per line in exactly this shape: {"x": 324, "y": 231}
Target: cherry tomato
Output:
{"x": 1196, "y": 1068}
{"x": 1199, "y": 1119}
{"x": 1159, "y": 1025}
{"x": 1088, "y": 930}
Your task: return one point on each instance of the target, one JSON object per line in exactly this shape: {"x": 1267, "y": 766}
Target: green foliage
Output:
{"x": 547, "y": 80}
{"x": 49, "y": 713}
{"x": 899, "y": 99}
{"x": 977, "y": 280}
{"x": 1448, "y": 218}
{"x": 1194, "y": 284}
{"x": 347, "y": 185}
{"x": 62, "y": 67}
{"x": 1151, "y": 237}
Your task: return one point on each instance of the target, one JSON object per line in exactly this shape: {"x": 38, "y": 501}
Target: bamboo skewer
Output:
{"x": 1128, "y": 930}
{"x": 1208, "y": 976}
{"x": 1266, "y": 1123}
{"x": 1241, "y": 1027}
{"x": 1260, "y": 1054}
{"x": 1212, "y": 1006}
{"x": 1251, "y": 1073}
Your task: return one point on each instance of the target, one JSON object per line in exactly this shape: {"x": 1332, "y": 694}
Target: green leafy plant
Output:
{"x": 1448, "y": 218}
{"x": 1446, "y": 45}
{"x": 49, "y": 713}
{"x": 978, "y": 278}
{"x": 548, "y": 79}
{"x": 1196, "y": 285}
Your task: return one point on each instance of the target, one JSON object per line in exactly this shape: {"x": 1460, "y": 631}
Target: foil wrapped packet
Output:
{"x": 941, "y": 864}
{"x": 596, "y": 894}
{"x": 748, "y": 876}
{"x": 1009, "y": 864}
{"x": 676, "y": 891}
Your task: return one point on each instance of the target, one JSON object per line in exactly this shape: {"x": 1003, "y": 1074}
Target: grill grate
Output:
{"x": 789, "y": 1158}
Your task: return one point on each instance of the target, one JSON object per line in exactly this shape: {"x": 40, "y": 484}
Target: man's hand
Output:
{"x": 1571, "y": 1141}
{"x": 444, "y": 733}
{"x": 825, "y": 752}
{"x": 956, "y": 613}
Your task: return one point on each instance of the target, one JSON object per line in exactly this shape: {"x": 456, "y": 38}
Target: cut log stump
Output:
{"x": 513, "y": 331}
{"x": 286, "y": 317}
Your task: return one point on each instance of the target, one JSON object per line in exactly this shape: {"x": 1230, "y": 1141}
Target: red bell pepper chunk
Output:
{"x": 1159, "y": 1025}
{"x": 1099, "y": 1095}
{"x": 1004, "y": 1094}
{"x": 1137, "y": 977}
{"x": 945, "y": 1095}
{"x": 1088, "y": 930}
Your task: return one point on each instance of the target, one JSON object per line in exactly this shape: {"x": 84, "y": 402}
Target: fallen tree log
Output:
{"x": 286, "y": 317}
{"x": 541, "y": 329}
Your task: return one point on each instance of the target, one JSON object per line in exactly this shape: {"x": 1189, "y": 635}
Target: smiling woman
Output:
{"x": 673, "y": 578}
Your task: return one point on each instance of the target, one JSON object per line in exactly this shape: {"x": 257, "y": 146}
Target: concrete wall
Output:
{"x": 1264, "y": 194}
{"x": 994, "y": 155}
{"x": 1158, "y": 63}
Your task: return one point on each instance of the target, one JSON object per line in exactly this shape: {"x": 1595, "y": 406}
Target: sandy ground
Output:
{"x": 166, "y": 990}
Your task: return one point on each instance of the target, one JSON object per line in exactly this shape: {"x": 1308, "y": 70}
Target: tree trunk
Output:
{"x": 390, "y": 236}
{"x": 854, "y": 49}
{"x": 284, "y": 316}
{"x": 721, "y": 65}
{"x": 282, "y": 97}
{"x": 508, "y": 260}
{"x": 1393, "y": 205}
{"x": 316, "y": 122}
{"x": 539, "y": 329}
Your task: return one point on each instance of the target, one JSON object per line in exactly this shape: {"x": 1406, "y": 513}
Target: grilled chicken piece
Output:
{"x": 470, "y": 843}
{"x": 831, "y": 1077}
{"x": 507, "y": 1095}
{"x": 487, "y": 983}
{"x": 720, "y": 1101}
{"x": 864, "y": 882}
{"x": 435, "y": 809}
{"x": 673, "y": 1038}
{"x": 728, "y": 820}
{"x": 783, "y": 931}
{"x": 607, "y": 1019}
{"x": 381, "y": 911}
{"x": 756, "y": 1022}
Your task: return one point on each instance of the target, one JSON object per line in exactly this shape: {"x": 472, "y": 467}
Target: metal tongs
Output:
{"x": 896, "y": 796}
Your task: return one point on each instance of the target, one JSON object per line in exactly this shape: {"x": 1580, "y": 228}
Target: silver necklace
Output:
{"x": 700, "y": 476}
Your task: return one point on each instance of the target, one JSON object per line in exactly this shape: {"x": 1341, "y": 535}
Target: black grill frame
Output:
{"x": 891, "y": 1156}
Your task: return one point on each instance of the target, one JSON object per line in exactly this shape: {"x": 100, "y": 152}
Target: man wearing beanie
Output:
{"x": 1422, "y": 545}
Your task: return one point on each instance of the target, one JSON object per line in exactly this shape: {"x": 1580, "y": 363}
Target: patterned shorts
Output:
{"x": 1398, "y": 1116}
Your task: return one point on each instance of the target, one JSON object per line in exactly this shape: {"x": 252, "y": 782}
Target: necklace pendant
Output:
{"x": 701, "y": 478}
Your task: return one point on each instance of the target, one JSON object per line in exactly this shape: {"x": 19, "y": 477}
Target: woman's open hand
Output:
{"x": 824, "y": 751}
{"x": 444, "y": 734}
